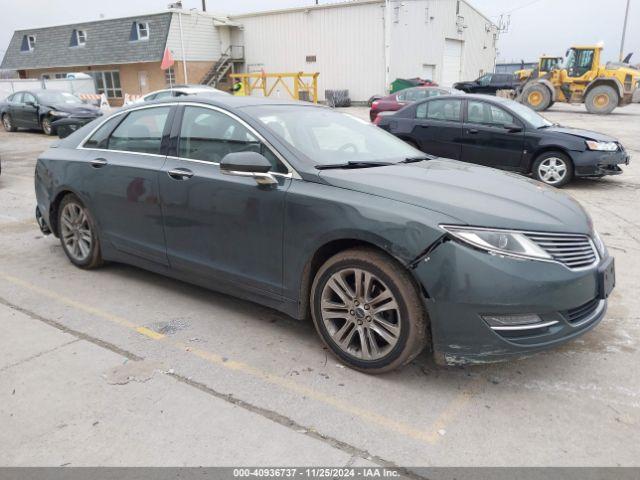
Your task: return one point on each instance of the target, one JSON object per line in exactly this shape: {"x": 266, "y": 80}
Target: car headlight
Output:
{"x": 502, "y": 242}
{"x": 602, "y": 146}
{"x": 56, "y": 113}
{"x": 597, "y": 240}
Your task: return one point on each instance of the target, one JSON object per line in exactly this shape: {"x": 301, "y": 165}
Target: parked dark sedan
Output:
{"x": 39, "y": 109}
{"x": 489, "y": 83}
{"x": 504, "y": 134}
{"x": 319, "y": 214}
{"x": 396, "y": 101}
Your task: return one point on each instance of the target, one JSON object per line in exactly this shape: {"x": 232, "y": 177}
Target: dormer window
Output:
{"x": 28, "y": 43}
{"x": 81, "y": 37}
{"x": 139, "y": 31}
{"x": 78, "y": 38}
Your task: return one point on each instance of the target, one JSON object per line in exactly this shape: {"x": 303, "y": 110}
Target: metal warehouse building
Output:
{"x": 359, "y": 45}
{"x": 354, "y": 44}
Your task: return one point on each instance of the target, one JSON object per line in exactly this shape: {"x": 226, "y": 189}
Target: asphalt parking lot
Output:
{"x": 119, "y": 366}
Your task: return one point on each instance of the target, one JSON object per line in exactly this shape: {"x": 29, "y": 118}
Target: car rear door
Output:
{"x": 13, "y": 102}
{"x": 437, "y": 127}
{"x": 125, "y": 158}
{"x": 224, "y": 228}
{"x": 486, "y": 140}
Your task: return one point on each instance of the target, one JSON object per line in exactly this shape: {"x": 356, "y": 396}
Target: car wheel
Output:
{"x": 46, "y": 126}
{"x": 553, "y": 168}
{"x": 602, "y": 99}
{"x": 77, "y": 232}
{"x": 7, "y": 123}
{"x": 367, "y": 310}
{"x": 537, "y": 97}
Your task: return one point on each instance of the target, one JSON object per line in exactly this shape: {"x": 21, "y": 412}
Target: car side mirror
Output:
{"x": 513, "y": 128}
{"x": 248, "y": 164}
{"x": 31, "y": 103}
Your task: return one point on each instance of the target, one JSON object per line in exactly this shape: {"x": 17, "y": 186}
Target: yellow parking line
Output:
{"x": 429, "y": 436}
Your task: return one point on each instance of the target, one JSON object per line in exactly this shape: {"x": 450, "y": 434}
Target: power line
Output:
{"x": 516, "y": 8}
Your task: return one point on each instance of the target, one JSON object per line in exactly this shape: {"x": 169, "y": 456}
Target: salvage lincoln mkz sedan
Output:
{"x": 319, "y": 214}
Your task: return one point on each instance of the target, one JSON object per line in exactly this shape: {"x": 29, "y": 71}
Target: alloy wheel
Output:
{"x": 75, "y": 231}
{"x": 361, "y": 314}
{"x": 552, "y": 170}
{"x": 46, "y": 126}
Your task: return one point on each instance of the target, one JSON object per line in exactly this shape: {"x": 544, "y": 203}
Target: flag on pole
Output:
{"x": 167, "y": 60}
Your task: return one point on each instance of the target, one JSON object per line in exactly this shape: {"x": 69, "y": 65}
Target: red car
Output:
{"x": 397, "y": 100}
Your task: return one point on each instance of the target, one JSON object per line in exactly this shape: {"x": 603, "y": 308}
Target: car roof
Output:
{"x": 232, "y": 101}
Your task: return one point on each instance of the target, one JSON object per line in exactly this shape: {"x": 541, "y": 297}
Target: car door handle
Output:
{"x": 423, "y": 126}
{"x": 472, "y": 131}
{"x": 98, "y": 162}
{"x": 180, "y": 173}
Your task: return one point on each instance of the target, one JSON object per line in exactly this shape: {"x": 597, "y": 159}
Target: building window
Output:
{"x": 139, "y": 31}
{"x": 28, "y": 43}
{"x": 78, "y": 38}
{"x": 81, "y": 37}
{"x": 170, "y": 76}
{"x": 108, "y": 82}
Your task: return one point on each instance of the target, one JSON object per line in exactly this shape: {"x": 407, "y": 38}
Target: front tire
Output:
{"x": 537, "y": 97}
{"x": 368, "y": 311}
{"x": 7, "y": 123}
{"x": 78, "y": 233}
{"x": 553, "y": 168}
{"x": 601, "y": 100}
{"x": 46, "y": 126}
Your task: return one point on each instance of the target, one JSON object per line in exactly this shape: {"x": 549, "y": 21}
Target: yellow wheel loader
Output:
{"x": 581, "y": 79}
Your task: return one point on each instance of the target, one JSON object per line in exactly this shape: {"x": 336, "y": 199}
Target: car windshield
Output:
{"x": 57, "y": 98}
{"x": 327, "y": 137}
{"x": 535, "y": 119}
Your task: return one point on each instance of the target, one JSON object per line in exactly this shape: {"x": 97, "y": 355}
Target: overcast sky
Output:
{"x": 537, "y": 26}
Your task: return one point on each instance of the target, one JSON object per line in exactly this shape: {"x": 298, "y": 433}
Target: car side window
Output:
{"x": 141, "y": 131}
{"x": 167, "y": 94}
{"x": 486, "y": 114}
{"x": 27, "y": 97}
{"x": 445, "y": 110}
{"x": 100, "y": 137}
{"x": 421, "y": 110}
{"x": 209, "y": 135}
{"x": 16, "y": 98}
{"x": 485, "y": 79}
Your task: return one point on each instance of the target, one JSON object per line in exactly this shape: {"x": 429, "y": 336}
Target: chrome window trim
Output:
{"x": 595, "y": 263}
{"x": 292, "y": 173}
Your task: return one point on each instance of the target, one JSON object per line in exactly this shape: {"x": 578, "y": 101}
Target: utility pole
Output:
{"x": 624, "y": 30}
{"x": 387, "y": 45}
{"x": 204, "y": 5}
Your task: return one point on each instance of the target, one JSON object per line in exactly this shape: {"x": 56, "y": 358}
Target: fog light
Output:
{"x": 523, "y": 321}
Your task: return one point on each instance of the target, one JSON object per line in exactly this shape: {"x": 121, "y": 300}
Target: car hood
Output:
{"x": 470, "y": 194}
{"x": 85, "y": 110}
{"x": 578, "y": 132}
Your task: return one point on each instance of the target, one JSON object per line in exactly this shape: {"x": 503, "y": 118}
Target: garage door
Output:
{"x": 451, "y": 62}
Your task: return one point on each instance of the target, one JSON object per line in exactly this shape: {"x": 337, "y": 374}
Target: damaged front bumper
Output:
{"x": 598, "y": 164}
{"x": 464, "y": 287}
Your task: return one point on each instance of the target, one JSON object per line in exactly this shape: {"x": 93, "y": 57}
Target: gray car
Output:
{"x": 321, "y": 215}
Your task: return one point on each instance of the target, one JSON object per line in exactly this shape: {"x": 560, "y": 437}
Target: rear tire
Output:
{"x": 553, "y": 168}
{"x": 537, "y": 97}
{"x": 7, "y": 123}
{"x": 602, "y": 100}
{"x": 78, "y": 233}
{"x": 368, "y": 311}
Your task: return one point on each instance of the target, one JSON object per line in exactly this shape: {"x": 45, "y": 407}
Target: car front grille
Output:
{"x": 575, "y": 251}
{"x": 583, "y": 312}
